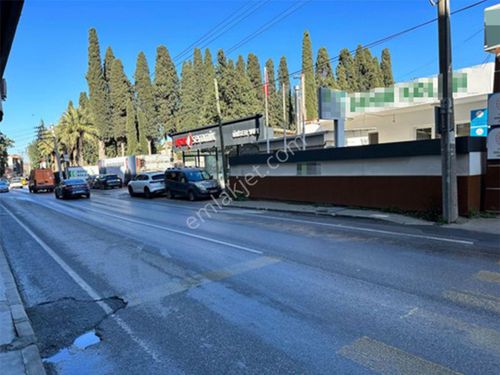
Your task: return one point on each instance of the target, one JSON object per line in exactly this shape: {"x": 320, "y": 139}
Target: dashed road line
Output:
{"x": 482, "y": 301}
{"x": 388, "y": 360}
{"x": 488, "y": 276}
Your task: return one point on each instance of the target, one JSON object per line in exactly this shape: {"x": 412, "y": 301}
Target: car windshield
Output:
{"x": 112, "y": 177}
{"x": 74, "y": 181}
{"x": 197, "y": 176}
{"x": 3, "y": 183}
{"x": 157, "y": 177}
{"x": 15, "y": 179}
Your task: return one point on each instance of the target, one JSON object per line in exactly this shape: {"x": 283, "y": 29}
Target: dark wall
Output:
{"x": 409, "y": 193}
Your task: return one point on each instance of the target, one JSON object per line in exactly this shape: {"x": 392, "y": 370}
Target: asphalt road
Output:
{"x": 248, "y": 291}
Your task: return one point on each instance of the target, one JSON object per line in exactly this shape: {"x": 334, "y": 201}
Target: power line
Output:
{"x": 211, "y": 31}
{"x": 289, "y": 11}
{"x": 229, "y": 27}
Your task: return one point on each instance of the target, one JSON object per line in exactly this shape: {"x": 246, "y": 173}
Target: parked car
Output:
{"x": 16, "y": 183}
{"x": 41, "y": 179}
{"x": 4, "y": 186}
{"x": 147, "y": 184}
{"x": 71, "y": 188}
{"x": 107, "y": 181}
{"x": 192, "y": 183}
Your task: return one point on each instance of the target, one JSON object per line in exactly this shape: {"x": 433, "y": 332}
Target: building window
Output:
{"x": 373, "y": 138}
{"x": 424, "y": 133}
{"x": 463, "y": 130}
{"x": 308, "y": 169}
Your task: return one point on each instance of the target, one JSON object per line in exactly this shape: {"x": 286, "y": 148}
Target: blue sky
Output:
{"x": 48, "y": 60}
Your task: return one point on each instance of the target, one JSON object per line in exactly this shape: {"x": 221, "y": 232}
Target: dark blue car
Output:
{"x": 72, "y": 188}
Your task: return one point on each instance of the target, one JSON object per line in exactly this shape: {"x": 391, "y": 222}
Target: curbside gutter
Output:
{"x": 26, "y": 341}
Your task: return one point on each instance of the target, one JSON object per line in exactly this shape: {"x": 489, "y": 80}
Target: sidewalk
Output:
{"x": 18, "y": 351}
{"x": 484, "y": 225}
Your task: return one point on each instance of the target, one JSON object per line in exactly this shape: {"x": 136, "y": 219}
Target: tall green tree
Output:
{"x": 245, "y": 101}
{"x": 98, "y": 94}
{"x": 5, "y": 143}
{"x": 143, "y": 144}
{"x": 375, "y": 76}
{"x": 311, "y": 95}
{"x": 166, "y": 90}
{"x": 199, "y": 77}
{"x": 209, "y": 108}
{"x": 324, "y": 72}
{"x": 284, "y": 79}
{"x": 34, "y": 154}
{"x": 187, "y": 118}
{"x": 255, "y": 75}
{"x": 146, "y": 102}
{"x": 131, "y": 124}
{"x": 346, "y": 72}
{"x": 273, "y": 100}
{"x": 362, "y": 61}
{"x": 226, "y": 79}
{"x": 120, "y": 92}
{"x": 386, "y": 68}
{"x": 107, "y": 66}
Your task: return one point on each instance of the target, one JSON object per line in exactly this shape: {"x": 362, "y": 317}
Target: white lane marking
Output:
{"x": 381, "y": 231}
{"x": 86, "y": 287}
{"x": 184, "y": 233}
{"x": 55, "y": 206}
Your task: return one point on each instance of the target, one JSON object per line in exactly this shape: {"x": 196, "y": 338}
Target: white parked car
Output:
{"x": 147, "y": 184}
{"x": 16, "y": 183}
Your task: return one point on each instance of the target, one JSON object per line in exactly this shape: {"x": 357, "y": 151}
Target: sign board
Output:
{"x": 479, "y": 123}
{"x": 492, "y": 28}
{"x": 237, "y": 132}
{"x": 493, "y": 144}
{"x": 332, "y": 103}
{"x": 494, "y": 109}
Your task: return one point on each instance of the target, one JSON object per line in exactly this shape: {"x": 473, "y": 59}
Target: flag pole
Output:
{"x": 266, "y": 92}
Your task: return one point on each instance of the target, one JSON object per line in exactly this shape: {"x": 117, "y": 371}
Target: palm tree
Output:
{"x": 75, "y": 128}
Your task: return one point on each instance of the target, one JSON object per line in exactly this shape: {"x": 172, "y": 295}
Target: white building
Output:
{"x": 405, "y": 111}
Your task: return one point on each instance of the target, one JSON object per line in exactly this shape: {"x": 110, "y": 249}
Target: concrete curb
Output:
{"x": 26, "y": 341}
{"x": 341, "y": 212}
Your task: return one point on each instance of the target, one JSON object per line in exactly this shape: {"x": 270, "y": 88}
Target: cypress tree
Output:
{"x": 187, "y": 116}
{"x": 120, "y": 93}
{"x": 209, "y": 108}
{"x": 273, "y": 100}
{"x": 362, "y": 62}
{"x": 223, "y": 73}
{"x": 375, "y": 76}
{"x": 166, "y": 90}
{"x": 131, "y": 128}
{"x": 109, "y": 57}
{"x": 346, "y": 73}
{"x": 41, "y": 131}
{"x": 255, "y": 75}
{"x": 98, "y": 94}
{"x": 143, "y": 144}
{"x": 386, "y": 68}
{"x": 311, "y": 95}
{"x": 145, "y": 101}
{"x": 324, "y": 72}
{"x": 199, "y": 87}
{"x": 284, "y": 78}
{"x": 246, "y": 102}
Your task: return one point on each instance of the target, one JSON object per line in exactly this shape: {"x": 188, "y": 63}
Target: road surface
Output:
{"x": 117, "y": 285}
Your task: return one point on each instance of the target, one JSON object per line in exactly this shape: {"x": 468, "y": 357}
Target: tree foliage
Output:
{"x": 166, "y": 91}
{"x": 311, "y": 95}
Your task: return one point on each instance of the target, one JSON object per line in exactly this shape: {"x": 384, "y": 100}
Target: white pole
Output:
{"x": 303, "y": 112}
{"x": 268, "y": 146}
{"x": 284, "y": 116}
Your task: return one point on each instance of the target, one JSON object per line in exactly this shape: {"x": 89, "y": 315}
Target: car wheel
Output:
{"x": 147, "y": 193}
{"x": 87, "y": 196}
{"x": 131, "y": 191}
{"x": 168, "y": 194}
{"x": 57, "y": 195}
{"x": 191, "y": 196}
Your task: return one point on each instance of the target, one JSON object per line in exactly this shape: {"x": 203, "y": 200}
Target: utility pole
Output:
{"x": 221, "y": 134}
{"x": 56, "y": 153}
{"x": 448, "y": 149}
{"x": 283, "y": 87}
{"x": 297, "y": 109}
{"x": 303, "y": 109}
{"x": 266, "y": 92}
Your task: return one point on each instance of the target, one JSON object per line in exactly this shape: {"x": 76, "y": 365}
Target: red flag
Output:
{"x": 266, "y": 83}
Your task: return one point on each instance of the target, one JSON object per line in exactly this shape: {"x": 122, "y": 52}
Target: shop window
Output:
{"x": 424, "y": 133}
{"x": 308, "y": 169}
